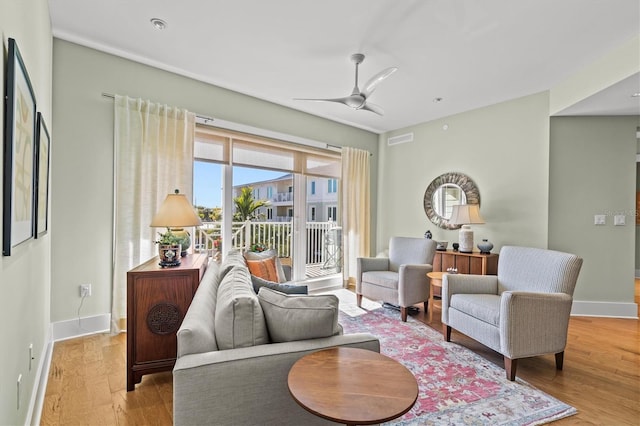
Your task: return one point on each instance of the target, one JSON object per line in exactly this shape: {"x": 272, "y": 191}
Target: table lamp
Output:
{"x": 465, "y": 214}
{"x": 176, "y": 213}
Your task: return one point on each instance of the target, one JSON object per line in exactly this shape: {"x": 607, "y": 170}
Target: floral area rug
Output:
{"x": 456, "y": 386}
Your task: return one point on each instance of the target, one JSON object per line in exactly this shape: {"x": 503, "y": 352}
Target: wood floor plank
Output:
{"x": 601, "y": 377}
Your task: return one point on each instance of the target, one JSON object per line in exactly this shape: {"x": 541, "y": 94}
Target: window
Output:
{"x": 332, "y": 185}
{"x": 295, "y": 171}
{"x": 332, "y": 213}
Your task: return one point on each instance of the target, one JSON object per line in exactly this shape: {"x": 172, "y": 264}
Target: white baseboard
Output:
{"x": 63, "y": 330}
{"x": 604, "y": 309}
{"x": 36, "y": 401}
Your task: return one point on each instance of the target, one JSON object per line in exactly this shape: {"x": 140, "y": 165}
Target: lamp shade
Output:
{"x": 464, "y": 214}
{"x": 176, "y": 212}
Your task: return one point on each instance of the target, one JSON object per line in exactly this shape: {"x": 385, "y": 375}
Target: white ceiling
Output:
{"x": 470, "y": 53}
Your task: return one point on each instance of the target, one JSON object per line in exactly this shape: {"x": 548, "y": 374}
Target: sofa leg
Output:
{"x": 559, "y": 360}
{"x": 446, "y": 332}
{"x": 510, "y": 366}
{"x": 403, "y": 313}
{"x": 426, "y": 306}
{"x": 359, "y": 300}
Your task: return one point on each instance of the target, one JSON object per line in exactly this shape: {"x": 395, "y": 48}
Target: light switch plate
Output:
{"x": 619, "y": 220}
{"x": 599, "y": 219}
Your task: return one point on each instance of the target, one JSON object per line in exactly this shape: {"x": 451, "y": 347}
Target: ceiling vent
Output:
{"x": 395, "y": 140}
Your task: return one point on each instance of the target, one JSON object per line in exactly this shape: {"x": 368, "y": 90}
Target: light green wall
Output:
{"x": 593, "y": 171}
{"x": 503, "y": 148}
{"x": 25, "y": 275}
{"x": 82, "y": 206}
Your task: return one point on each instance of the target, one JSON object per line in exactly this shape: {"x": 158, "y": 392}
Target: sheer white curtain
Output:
{"x": 153, "y": 157}
{"x": 356, "y": 219}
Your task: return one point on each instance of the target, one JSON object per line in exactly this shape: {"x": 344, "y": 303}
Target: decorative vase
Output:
{"x": 485, "y": 246}
{"x": 456, "y": 246}
{"x": 169, "y": 254}
{"x": 465, "y": 239}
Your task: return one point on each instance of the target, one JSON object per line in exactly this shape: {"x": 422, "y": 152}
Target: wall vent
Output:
{"x": 395, "y": 140}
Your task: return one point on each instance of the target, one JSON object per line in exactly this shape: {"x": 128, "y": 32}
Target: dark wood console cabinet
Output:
{"x": 467, "y": 263}
{"x": 157, "y": 300}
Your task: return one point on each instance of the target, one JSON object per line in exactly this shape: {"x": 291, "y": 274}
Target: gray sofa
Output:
{"x": 234, "y": 356}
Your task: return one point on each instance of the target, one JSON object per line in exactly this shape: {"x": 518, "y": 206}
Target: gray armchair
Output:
{"x": 521, "y": 312}
{"x": 401, "y": 279}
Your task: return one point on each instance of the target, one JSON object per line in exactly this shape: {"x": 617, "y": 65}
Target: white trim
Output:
{"x": 604, "y": 309}
{"x": 244, "y": 128}
{"x": 39, "y": 390}
{"x": 63, "y": 330}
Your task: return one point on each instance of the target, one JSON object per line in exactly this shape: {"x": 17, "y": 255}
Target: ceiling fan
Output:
{"x": 358, "y": 98}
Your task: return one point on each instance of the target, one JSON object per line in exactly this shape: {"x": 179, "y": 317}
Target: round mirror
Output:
{"x": 446, "y": 191}
{"x": 445, "y": 197}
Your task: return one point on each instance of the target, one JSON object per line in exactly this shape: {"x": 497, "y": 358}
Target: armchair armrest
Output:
{"x": 413, "y": 283}
{"x": 533, "y": 323}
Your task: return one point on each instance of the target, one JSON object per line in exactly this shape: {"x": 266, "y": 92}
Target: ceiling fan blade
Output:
{"x": 376, "y": 80}
{"x": 368, "y": 106}
{"x": 338, "y": 100}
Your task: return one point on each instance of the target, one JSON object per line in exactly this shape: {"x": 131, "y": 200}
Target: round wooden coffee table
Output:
{"x": 352, "y": 386}
{"x": 435, "y": 289}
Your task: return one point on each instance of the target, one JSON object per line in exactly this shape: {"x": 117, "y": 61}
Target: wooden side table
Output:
{"x": 466, "y": 263}
{"x": 435, "y": 289}
{"x": 352, "y": 386}
{"x": 157, "y": 300}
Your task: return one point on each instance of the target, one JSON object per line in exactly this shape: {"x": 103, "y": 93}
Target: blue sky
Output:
{"x": 207, "y": 181}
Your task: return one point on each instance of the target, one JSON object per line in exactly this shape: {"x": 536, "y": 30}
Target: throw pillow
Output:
{"x": 265, "y": 268}
{"x": 251, "y": 255}
{"x": 296, "y": 317}
{"x": 232, "y": 259}
{"x": 238, "y": 320}
{"x": 282, "y": 288}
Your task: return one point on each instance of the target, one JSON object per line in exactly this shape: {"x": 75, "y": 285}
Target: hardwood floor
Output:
{"x": 601, "y": 377}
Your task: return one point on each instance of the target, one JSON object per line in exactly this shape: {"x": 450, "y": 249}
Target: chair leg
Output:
{"x": 358, "y": 300}
{"x": 510, "y": 366}
{"x": 559, "y": 360}
{"x": 446, "y": 332}
{"x": 403, "y": 313}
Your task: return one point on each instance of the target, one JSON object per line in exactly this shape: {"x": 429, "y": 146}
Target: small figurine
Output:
{"x": 428, "y": 235}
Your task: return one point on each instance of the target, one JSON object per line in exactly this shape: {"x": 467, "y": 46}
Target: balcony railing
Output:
{"x": 324, "y": 240}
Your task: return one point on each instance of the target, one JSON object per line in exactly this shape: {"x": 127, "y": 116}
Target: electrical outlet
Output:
{"x": 85, "y": 290}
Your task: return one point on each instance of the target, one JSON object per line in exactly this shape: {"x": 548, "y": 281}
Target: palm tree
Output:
{"x": 246, "y": 205}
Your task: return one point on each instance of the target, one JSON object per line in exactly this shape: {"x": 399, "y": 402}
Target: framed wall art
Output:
{"x": 19, "y": 153}
{"x": 43, "y": 147}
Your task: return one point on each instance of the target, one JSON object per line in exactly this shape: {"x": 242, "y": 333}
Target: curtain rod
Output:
{"x": 206, "y": 120}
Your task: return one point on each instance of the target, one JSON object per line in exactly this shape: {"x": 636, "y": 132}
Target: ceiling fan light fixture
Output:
{"x": 158, "y": 23}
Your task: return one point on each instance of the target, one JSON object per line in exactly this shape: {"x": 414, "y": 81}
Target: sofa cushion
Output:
{"x": 297, "y": 317}
{"x": 282, "y": 288}
{"x": 197, "y": 333}
{"x": 239, "y": 321}
{"x": 271, "y": 253}
{"x": 485, "y": 307}
{"x": 387, "y": 279}
{"x": 264, "y": 268}
{"x": 232, "y": 259}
